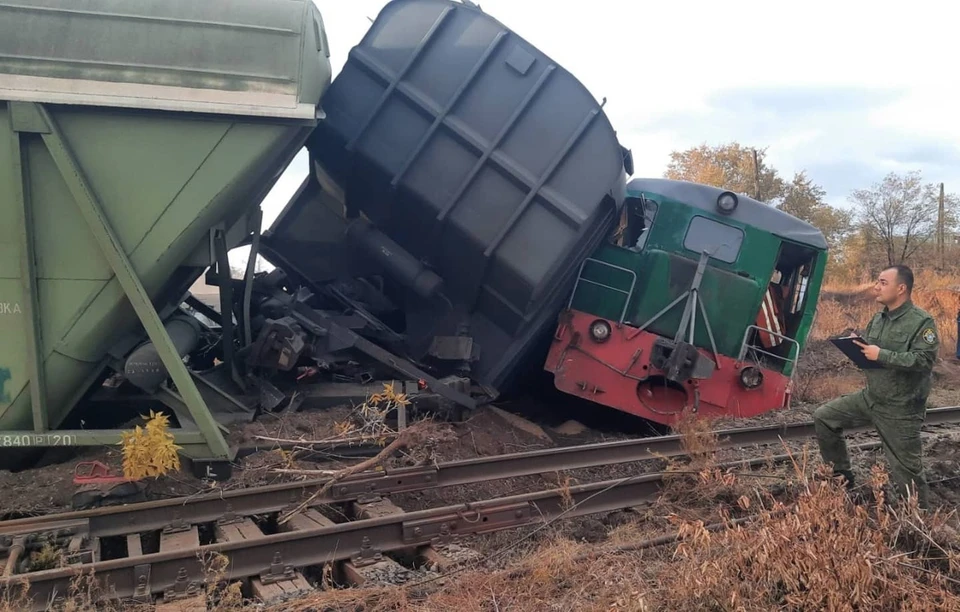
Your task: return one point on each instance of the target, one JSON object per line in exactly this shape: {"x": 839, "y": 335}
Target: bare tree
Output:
{"x": 805, "y": 200}
{"x": 900, "y": 214}
{"x": 729, "y": 166}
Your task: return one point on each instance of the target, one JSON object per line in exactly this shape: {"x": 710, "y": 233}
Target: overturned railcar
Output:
{"x": 459, "y": 178}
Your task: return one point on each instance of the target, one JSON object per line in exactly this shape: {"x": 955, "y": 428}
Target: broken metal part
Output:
{"x": 680, "y": 361}
{"x": 279, "y": 345}
{"x": 144, "y": 367}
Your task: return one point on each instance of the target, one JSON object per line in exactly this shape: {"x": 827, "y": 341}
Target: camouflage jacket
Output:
{"x": 909, "y": 343}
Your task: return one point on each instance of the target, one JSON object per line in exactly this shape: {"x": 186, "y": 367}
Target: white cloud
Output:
{"x": 843, "y": 89}
{"x": 923, "y": 112}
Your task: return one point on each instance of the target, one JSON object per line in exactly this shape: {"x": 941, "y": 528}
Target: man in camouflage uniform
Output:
{"x": 904, "y": 340}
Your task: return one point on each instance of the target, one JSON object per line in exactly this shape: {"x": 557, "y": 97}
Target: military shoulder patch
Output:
{"x": 929, "y": 335}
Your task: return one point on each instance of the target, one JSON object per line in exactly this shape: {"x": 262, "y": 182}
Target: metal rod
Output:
{"x": 256, "y": 221}
{"x": 689, "y": 307}
{"x": 16, "y": 549}
{"x": 28, "y": 277}
{"x": 665, "y": 310}
{"x": 628, "y": 293}
{"x": 706, "y": 323}
{"x": 225, "y": 283}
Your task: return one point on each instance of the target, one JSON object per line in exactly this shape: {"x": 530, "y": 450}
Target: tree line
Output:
{"x": 896, "y": 220}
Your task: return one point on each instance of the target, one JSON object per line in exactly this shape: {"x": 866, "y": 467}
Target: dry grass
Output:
{"x": 87, "y": 594}
{"x": 818, "y": 387}
{"x": 824, "y": 373}
{"x": 844, "y": 306}
{"x": 809, "y": 547}
{"x": 820, "y": 553}
{"x": 805, "y": 545}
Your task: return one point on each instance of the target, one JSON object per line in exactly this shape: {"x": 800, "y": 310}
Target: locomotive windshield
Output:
{"x": 718, "y": 240}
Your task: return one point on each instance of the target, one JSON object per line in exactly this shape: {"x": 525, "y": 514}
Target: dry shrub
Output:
{"x": 817, "y": 388}
{"x": 694, "y": 483}
{"x": 698, "y": 438}
{"x": 834, "y": 317}
{"x": 149, "y": 451}
{"x": 50, "y": 556}
{"x": 558, "y": 576}
{"x": 842, "y": 306}
{"x": 16, "y": 596}
{"x": 943, "y": 305}
{"x": 220, "y": 594}
{"x": 821, "y": 553}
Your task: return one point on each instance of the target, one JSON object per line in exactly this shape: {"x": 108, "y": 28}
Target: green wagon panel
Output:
{"x": 177, "y": 117}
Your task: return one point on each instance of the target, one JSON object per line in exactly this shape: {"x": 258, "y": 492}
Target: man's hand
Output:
{"x": 849, "y": 333}
{"x": 870, "y": 351}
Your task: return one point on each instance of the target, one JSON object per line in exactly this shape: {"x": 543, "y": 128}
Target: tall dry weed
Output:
{"x": 820, "y": 553}
{"x": 695, "y": 484}
{"x": 820, "y": 387}
{"x": 851, "y": 306}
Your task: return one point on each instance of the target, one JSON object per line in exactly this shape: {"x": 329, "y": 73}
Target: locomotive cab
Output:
{"x": 701, "y": 300}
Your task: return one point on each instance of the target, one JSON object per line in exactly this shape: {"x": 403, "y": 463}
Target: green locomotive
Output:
{"x": 702, "y": 301}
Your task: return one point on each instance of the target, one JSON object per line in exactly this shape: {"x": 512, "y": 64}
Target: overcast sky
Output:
{"x": 844, "y": 89}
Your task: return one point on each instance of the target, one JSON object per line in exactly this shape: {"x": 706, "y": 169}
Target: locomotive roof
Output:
{"x": 749, "y": 211}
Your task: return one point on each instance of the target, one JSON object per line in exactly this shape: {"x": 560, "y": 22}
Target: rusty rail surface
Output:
{"x": 160, "y": 514}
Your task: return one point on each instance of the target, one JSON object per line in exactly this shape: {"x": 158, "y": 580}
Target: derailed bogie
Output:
{"x": 702, "y": 300}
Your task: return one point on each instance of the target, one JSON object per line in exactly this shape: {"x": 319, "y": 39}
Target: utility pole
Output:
{"x": 756, "y": 175}
{"x": 941, "y": 230}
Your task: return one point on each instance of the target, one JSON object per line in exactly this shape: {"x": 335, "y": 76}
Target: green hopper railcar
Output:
{"x": 137, "y": 141}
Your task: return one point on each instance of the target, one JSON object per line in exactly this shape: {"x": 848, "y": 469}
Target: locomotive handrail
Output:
{"x": 744, "y": 346}
{"x": 629, "y": 294}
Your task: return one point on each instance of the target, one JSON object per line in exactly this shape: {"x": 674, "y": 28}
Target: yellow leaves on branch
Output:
{"x": 368, "y": 420}
{"x": 149, "y": 451}
{"x": 390, "y": 396}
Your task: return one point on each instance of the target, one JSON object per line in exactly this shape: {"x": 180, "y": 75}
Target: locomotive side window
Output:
{"x": 635, "y": 223}
{"x": 719, "y": 240}
{"x": 800, "y": 289}
{"x": 784, "y": 301}
{"x": 647, "y": 211}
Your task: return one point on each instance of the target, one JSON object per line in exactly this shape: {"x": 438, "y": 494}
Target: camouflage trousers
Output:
{"x": 899, "y": 430}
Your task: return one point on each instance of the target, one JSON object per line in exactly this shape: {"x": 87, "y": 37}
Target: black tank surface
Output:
{"x": 478, "y": 155}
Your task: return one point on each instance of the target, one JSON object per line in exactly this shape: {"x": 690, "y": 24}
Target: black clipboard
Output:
{"x": 854, "y": 353}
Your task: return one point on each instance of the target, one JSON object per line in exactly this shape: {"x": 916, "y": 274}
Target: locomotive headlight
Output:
{"x": 727, "y": 202}
{"x": 751, "y": 377}
{"x": 600, "y": 331}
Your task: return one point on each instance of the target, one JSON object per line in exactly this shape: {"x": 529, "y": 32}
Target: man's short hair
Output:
{"x": 904, "y": 276}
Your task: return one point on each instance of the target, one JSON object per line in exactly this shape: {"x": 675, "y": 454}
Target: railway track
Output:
{"x": 156, "y": 548}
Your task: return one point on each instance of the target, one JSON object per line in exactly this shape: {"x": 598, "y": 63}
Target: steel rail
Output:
{"x": 274, "y": 557}
{"x": 160, "y": 514}
{"x": 270, "y": 556}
